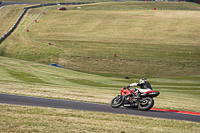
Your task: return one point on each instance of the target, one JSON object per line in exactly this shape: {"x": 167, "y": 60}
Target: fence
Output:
{"x": 25, "y": 10}
{"x": 14, "y": 26}
{"x": 19, "y": 19}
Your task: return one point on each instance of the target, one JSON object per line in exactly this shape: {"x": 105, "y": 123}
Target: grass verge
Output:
{"x": 15, "y": 118}
{"x": 34, "y": 79}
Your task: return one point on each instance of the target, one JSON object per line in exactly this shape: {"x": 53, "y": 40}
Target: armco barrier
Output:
{"x": 14, "y": 26}
{"x": 19, "y": 19}
{"x": 25, "y": 10}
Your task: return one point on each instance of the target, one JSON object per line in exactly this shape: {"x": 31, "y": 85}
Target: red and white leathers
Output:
{"x": 144, "y": 87}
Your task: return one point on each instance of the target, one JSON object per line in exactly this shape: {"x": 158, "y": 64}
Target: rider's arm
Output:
{"x": 133, "y": 84}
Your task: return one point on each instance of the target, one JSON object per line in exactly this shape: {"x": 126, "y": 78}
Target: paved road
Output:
{"x": 45, "y": 102}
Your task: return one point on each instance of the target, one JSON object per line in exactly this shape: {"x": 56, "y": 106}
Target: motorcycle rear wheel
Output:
{"x": 117, "y": 101}
{"x": 147, "y": 104}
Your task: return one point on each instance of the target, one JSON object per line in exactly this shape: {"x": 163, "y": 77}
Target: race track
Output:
{"x": 45, "y": 102}
{"x": 65, "y": 104}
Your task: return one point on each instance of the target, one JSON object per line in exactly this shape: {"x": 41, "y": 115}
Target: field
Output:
{"x": 37, "y": 119}
{"x": 162, "y": 45}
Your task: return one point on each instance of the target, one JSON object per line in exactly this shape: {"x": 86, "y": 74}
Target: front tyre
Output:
{"x": 147, "y": 104}
{"x": 117, "y": 101}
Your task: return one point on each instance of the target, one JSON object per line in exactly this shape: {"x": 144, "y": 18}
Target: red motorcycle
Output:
{"x": 128, "y": 98}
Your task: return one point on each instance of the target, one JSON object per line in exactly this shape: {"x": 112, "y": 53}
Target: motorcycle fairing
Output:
{"x": 150, "y": 94}
{"x": 143, "y": 90}
{"x": 127, "y": 92}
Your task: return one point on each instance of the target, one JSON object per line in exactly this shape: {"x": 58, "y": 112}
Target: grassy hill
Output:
{"x": 151, "y": 43}
{"x": 147, "y": 43}
{"x": 34, "y": 79}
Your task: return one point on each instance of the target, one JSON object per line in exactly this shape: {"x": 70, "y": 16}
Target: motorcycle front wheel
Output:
{"x": 147, "y": 104}
{"x": 117, "y": 101}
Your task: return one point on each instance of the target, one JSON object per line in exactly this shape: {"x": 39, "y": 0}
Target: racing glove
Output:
{"x": 127, "y": 86}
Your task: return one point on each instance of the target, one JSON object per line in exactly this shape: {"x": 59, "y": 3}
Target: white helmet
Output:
{"x": 143, "y": 80}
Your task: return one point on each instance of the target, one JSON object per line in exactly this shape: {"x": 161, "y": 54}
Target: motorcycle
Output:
{"x": 128, "y": 98}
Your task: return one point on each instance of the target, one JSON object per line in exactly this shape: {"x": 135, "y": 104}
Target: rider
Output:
{"x": 143, "y": 85}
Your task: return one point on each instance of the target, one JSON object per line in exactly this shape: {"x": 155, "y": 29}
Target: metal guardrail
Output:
{"x": 25, "y": 10}
{"x": 14, "y": 26}
{"x": 19, "y": 19}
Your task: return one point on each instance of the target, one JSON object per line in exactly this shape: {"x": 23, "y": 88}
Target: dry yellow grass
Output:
{"x": 15, "y": 118}
{"x": 175, "y": 40}
{"x": 8, "y": 17}
{"x": 157, "y": 41}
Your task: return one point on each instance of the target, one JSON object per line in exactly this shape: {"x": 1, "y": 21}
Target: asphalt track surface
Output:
{"x": 65, "y": 104}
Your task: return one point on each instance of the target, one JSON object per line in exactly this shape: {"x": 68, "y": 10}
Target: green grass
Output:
{"x": 26, "y": 77}
{"x": 90, "y": 83}
{"x": 15, "y": 118}
{"x": 33, "y": 79}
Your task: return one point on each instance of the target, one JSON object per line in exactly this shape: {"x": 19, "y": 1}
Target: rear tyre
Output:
{"x": 117, "y": 101}
{"x": 147, "y": 104}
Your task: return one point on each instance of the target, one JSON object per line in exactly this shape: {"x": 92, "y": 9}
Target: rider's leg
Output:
{"x": 138, "y": 96}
